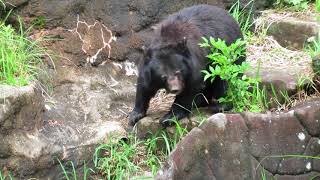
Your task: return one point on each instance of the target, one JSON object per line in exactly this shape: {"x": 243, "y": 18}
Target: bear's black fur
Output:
{"x": 174, "y": 60}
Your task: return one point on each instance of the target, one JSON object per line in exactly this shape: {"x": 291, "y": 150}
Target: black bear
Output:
{"x": 174, "y": 60}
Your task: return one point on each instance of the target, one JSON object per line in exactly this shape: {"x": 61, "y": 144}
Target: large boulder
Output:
{"x": 34, "y": 135}
{"x": 243, "y": 146}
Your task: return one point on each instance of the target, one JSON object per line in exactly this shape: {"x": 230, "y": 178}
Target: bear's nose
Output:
{"x": 174, "y": 91}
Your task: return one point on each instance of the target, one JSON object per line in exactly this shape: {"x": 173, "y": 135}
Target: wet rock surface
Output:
{"x": 242, "y": 146}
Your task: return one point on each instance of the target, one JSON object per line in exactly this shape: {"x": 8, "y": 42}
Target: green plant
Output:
{"x": 263, "y": 174}
{"x": 318, "y": 5}
{"x": 115, "y": 160}
{"x": 2, "y": 4}
{"x": 306, "y": 82}
{"x": 314, "y": 50}
{"x": 5, "y": 177}
{"x": 154, "y": 154}
{"x": 172, "y": 140}
{"x": 123, "y": 159}
{"x": 19, "y": 56}
{"x": 314, "y": 46}
{"x": 297, "y": 5}
{"x": 243, "y": 16}
{"x": 73, "y": 174}
{"x": 39, "y": 22}
{"x": 222, "y": 64}
{"x": 161, "y": 145}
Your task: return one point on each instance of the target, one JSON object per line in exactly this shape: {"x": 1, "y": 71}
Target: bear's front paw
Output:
{"x": 167, "y": 120}
{"x": 134, "y": 117}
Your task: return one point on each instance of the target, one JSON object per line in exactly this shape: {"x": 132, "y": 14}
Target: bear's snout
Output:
{"x": 175, "y": 84}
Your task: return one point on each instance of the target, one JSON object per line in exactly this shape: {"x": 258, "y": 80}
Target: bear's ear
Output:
{"x": 146, "y": 52}
{"x": 182, "y": 45}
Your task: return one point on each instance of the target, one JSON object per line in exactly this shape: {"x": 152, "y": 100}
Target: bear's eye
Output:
{"x": 164, "y": 77}
{"x": 177, "y": 72}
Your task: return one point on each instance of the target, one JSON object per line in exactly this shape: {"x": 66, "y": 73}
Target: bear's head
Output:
{"x": 169, "y": 67}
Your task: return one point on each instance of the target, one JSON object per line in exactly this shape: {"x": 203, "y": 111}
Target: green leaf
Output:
{"x": 217, "y": 69}
{"x": 207, "y": 76}
{"x": 205, "y": 40}
{"x": 211, "y": 69}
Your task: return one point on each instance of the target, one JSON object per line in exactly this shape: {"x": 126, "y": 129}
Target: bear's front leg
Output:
{"x": 143, "y": 96}
{"x": 180, "y": 108}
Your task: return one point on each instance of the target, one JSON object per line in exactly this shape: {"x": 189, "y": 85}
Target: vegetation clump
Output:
{"x": 222, "y": 64}
{"x": 117, "y": 160}
{"x": 314, "y": 50}
{"x": 19, "y": 56}
{"x": 297, "y": 5}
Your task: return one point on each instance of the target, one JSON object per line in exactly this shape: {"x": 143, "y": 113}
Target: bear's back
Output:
{"x": 210, "y": 20}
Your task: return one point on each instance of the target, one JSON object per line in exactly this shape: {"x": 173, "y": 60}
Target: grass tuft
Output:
{"x": 19, "y": 56}
{"x": 124, "y": 159}
{"x": 5, "y": 177}
{"x": 115, "y": 160}
{"x": 243, "y": 16}
{"x": 73, "y": 174}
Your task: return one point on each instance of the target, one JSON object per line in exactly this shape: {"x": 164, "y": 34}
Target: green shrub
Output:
{"x": 19, "y": 56}
{"x": 297, "y": 5}
{"x": 318, "y": 5}
{"x": 314, "y": 51}
{"x": 222, "y": 58}
{"x": 73, "y": 174}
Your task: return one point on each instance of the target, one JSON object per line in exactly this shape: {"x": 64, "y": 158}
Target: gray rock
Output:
{"x": 211, "y": 151}
{"x": 278, "y": 84}
{"x": 15, "y": 3}
{"x": 309, "y": 115}
{"x": 242, "y": 146}
{"x": 34, "y": 139}
{"x": 307, "y": 176}
{"x": 32, "y": 152}
{"x": 276, "y": 133}
{"x": 285, "y": 27}
{"x": 20, "y": 108}
{"x": 294, "y": 166}
{"x": 146, "y": 127}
